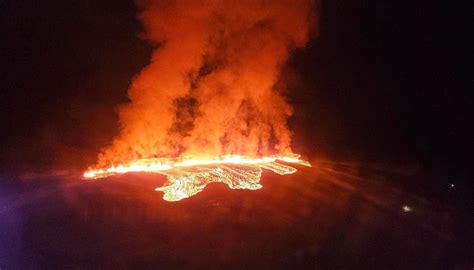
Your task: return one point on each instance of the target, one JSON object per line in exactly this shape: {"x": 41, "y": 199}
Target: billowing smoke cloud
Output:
{"x": 209, "y": 89}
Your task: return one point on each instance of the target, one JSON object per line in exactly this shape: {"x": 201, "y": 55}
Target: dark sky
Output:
{"x": 385, "y": 80}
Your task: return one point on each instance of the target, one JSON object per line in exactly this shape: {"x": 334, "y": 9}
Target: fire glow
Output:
{"x": 190, "y": 176}
{"x": 210, "y": 106}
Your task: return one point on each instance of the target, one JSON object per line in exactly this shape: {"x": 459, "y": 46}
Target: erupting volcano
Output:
{"x": 210, "y": 105}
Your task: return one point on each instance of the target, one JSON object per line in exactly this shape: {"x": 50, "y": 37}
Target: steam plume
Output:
{"x": 209, "y": 87}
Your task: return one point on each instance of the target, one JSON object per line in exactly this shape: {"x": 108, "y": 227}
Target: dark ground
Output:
{"x": 332, "y": 216}
{"x": 385, "y": 92}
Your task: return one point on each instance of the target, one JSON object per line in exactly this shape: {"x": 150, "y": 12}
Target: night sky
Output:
{"x": 384, "y": 82}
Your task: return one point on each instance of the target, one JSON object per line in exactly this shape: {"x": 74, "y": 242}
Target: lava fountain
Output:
{"x": 210, "y": 105}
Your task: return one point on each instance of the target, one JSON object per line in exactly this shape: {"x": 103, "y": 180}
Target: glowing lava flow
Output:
{"x": 187, "y": 177}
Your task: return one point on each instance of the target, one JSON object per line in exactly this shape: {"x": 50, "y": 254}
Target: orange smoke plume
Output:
{"x": 209, "y": 89}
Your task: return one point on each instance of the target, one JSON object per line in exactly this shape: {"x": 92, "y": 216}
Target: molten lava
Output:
{"x": 187, "y": 177}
